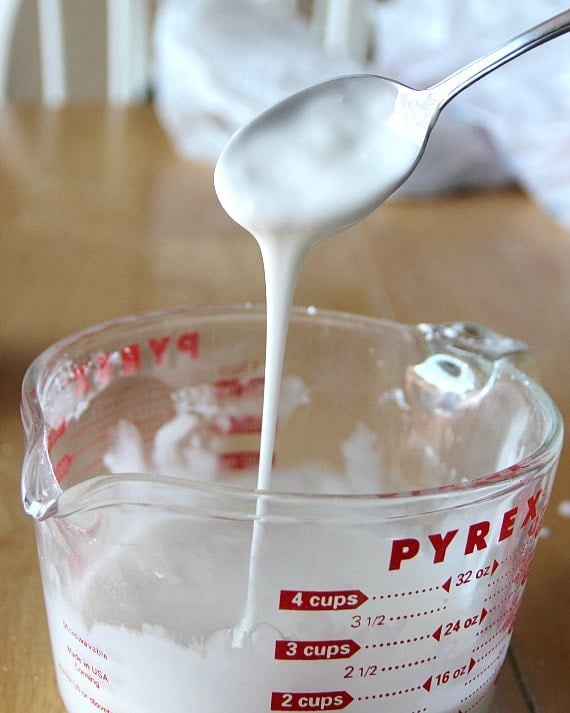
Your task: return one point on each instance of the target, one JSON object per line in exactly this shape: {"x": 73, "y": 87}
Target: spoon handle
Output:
{"x": 460, "y": 80}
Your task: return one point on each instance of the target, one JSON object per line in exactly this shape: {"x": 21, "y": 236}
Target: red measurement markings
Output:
{"x": 416, "y": 615}
{"x": 399, "y": 642}
{"x": 491, "y": 669}
{"x": 505, "y": 598}
{"x": 470, "y": 576}
{"x": 511, "y": 615}
{"x": 367, "y": 622}
{"x": 499, "y": 646}
{"x": 473, "y": 700}
{"x": 238, "y": 460}
{"x": 454, "y": 627}
{"x": 295, "y": 600}
{"x": 482, "y": 693}
{"x": 488, "y": 641}
{"x": 504, "y": 593}
{"x": 361, "y": 671}
{"x": 391, "y": 694}
{"x": 231, "y": 388}
{"x": 314, "y": 701}
{"x": 62, "y": 467}
{"x": 445, "y": 677}
{"x": 315, "y": 650}
{"x": 55, "y": 433}
{"x": 507, "y": 575}
{"x": 415, "y": 592}
{"x": 235, "y": 425}
{"x": 407, "y": 664}
{"x": 411, "y": 593}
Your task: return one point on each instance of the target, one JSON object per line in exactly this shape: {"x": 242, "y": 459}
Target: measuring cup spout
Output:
{"x": 40, "y": 488}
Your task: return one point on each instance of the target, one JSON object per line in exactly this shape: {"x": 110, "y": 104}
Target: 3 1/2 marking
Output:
{"x": 368, "y": 622}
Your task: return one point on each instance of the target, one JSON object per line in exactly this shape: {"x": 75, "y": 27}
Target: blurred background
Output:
{"x": 211, "y": 65}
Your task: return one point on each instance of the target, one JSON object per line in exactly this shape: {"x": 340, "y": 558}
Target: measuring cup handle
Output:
{"x": 473, "y": 338}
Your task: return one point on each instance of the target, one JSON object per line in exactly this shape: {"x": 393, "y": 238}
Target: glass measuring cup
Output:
{"x": 413, "y": 466}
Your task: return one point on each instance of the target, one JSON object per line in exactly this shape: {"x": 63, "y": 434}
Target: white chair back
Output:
{"x": 127, "y": 33}
{"x": 342, "y": 25}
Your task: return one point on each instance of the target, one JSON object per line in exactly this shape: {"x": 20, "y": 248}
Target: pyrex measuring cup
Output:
{"x": 413, "y": 466}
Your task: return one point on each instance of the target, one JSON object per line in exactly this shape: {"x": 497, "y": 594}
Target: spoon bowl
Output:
{"x": 335, "y": 151}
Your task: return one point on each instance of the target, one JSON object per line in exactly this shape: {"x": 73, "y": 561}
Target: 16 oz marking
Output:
{"x": 447, "y": 676}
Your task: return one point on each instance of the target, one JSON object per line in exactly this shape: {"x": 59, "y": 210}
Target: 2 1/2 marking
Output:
{"x": 360, "y": 672}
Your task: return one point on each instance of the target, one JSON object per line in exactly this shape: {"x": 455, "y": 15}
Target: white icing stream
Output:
{"x": 302, "y": 171}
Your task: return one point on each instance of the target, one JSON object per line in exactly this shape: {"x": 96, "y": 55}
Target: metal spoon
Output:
{"x": 401, "y": 128}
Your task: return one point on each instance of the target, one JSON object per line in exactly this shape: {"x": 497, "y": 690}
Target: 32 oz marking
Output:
{"x": 469, "y": 575}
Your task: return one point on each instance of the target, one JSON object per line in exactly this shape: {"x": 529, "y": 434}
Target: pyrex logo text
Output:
{"x": 475, "y": 537}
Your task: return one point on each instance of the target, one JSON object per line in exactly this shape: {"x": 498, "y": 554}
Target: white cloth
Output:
{"x": 218, "y": 63}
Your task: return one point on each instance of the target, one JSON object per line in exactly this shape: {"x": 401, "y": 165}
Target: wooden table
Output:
{"x": 99, "y": 217}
